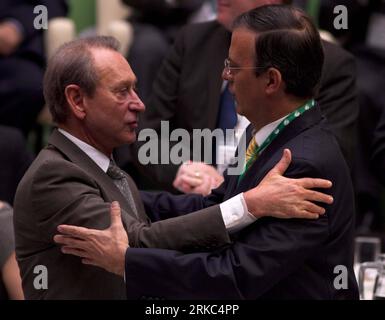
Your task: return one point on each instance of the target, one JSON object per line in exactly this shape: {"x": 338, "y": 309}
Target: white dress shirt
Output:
{"x": 234, "y": 211}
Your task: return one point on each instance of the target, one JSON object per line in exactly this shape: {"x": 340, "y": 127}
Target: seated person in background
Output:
{"x": 271, "y": 258}
{"x": 14, "y": 161}
{"x": 190, "y": 93}
{"x": 10, "y": 282}
{"x": 156, "y": 23}
{"x": 89, "y": 89}
{"x": 22, "y": 60}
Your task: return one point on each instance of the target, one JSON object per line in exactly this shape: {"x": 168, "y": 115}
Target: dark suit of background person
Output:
{"x": 64, "y": 185}
{"x": 21, "y": 72}
{"x": 270, "y": 259}
{"x": 156, "y": 23}
{"x": 363, "y": 38}
{"x": 14, "y": 161}
{"x": 188, "y": 88}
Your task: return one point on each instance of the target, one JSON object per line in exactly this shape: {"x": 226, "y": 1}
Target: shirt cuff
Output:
{"x": 235, "y": 214}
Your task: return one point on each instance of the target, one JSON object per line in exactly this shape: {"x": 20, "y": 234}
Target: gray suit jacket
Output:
{"x": 63, "y": 185}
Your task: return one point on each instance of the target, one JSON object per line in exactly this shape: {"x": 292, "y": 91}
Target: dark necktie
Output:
{"x": 120, "y": 180}
{"x": 227, "y": 117}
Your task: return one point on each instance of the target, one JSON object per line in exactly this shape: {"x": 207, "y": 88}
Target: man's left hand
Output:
{"x": 102, "y": 248}
{"x": 197, "y": 177}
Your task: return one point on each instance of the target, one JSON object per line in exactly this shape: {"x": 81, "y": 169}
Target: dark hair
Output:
{"x": 72, "y": 63}
{"x": 288, "y": 41}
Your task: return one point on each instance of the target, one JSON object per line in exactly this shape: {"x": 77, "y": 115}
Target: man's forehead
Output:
{"x": 243, "y": 41}
{"x": 112, "y": 65}
{"x": 243, "y": 31}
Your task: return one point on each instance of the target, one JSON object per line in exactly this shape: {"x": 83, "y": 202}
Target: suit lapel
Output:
{"x": 137, "y": 199}
{"x": 77, "y": 156}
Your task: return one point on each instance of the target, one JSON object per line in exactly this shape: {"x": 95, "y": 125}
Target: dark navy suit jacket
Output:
{"x": 272, "y": 258}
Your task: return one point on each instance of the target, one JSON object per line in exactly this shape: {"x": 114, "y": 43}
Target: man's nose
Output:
{"x": 136, "y": 104}
{"x": 225, "y": 74}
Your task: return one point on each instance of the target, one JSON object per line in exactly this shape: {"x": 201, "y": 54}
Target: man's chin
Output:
{"x": 129, "y": 137}
{"x": 239, "y": 111}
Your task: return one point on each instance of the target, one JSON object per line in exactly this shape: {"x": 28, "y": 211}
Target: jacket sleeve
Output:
{"x": 164, "y": 205}
{"x": 202, "y": 230}
{"x": 261, "y": 256}
{"x": 74, "y": 198}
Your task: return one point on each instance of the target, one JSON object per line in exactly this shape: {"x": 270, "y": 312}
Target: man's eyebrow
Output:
{"x": 126, "y": 83}
{"x": 232, "y": 61}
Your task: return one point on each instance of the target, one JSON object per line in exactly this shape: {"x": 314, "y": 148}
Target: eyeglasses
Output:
{"x": 229, "y": 70}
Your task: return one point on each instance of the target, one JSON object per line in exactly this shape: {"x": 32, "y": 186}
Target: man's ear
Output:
{"x": 274, "y": 81}
{"x": 75, "y": 99}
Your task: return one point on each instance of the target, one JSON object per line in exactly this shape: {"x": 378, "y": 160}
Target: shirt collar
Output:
{"x": 98, "y": 157}
{"x": 261, "y": 135}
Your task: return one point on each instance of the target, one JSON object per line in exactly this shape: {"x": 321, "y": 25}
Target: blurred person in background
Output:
{"x": 10, "y": 281}
{"x": 365, "y": 39}
{"x": 156, "y": 23}
{"x": 15, "y": 159}
{"x": 22, "y": 60}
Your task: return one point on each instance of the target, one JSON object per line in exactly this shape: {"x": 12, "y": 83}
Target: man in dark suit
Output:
{"x": 189, "y": 88}
{"x": 272, "y": 258}
{"x": 89, "y": 89}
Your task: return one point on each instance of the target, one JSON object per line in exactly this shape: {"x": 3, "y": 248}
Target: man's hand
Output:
{"x": 197, "y": 177}
{"x": 282, "y": 197}
{"x": 102, "y": 248}
{"x": 10, "y": 38}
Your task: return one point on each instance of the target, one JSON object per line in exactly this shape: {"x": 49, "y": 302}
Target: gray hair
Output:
{"x": 72, "y": 63}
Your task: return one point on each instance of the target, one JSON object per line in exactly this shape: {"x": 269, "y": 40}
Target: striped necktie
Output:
{"x": 120, "y": 180}
{"x": 251, "y": 154}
